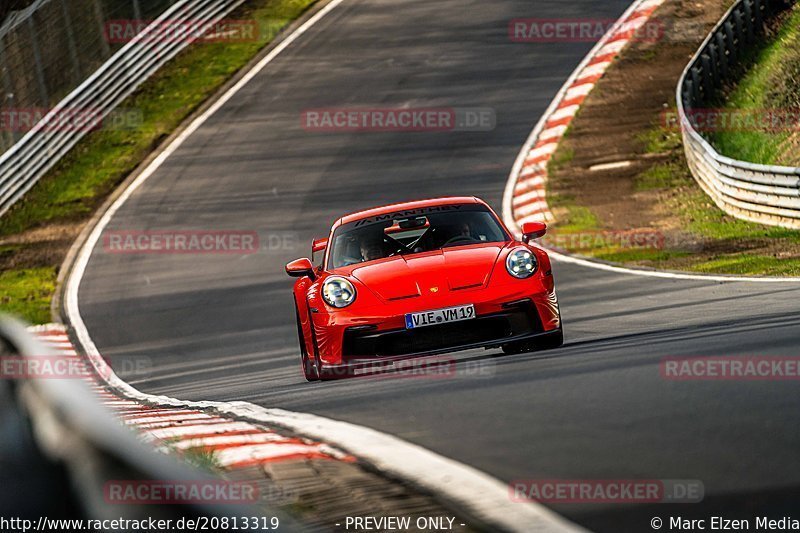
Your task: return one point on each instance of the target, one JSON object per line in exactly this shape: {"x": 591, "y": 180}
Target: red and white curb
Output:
{"x": 234, "y": 444}
{"x": 525, "y": 198}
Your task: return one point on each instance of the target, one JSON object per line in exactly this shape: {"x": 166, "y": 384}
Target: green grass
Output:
{"x": 661, "y": 139}
{"x": 749, "y": 264}
{"x": 772, "y": 83}
{"x": 579, "y": 218}
{"x": 661, "y": 176}
{"x": 704, "y": 219}
{"x": 202, "y": 458}
{"x": 697, "y": 211}
{"x": 78, "y": 184}
{"x": 640, "y": 255}
{"x": 698, "y": 216}
{"x": 562, "y": 156}
{"x": 27, "y": 293}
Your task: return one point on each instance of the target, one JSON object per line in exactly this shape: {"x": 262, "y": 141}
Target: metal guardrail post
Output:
{"x": 37, "y": 56}
{"x": 73, "y": 49}
{"x": 101, "y": 28}
{"x": 137, "y": 11}
{"x": 7, "y": 95}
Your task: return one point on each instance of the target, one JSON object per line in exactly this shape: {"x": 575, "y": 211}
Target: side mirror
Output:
{"x": 533, "y": 230}
{"x": 300, "y": 268}
{"x": 318, "y": 245}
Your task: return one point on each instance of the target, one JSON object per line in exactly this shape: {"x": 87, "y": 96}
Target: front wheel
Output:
{"x": 549, "y": 341}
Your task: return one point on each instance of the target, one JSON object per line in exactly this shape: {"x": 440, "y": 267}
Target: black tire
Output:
{"x": 310, "y": 368}
{"x": 550, "y": 341}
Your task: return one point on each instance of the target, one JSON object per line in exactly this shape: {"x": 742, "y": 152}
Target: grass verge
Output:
{"x": 26, "y": 292}
{"x": 770, "y": 88}
{"x": 51, "y": 214}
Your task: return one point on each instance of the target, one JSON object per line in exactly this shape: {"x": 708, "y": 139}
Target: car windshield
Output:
{"x": 413, "y": 231}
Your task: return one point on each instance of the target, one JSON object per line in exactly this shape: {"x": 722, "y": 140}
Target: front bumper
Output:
{"x": 344, "y": 339}
{"x": 519, "y": 321}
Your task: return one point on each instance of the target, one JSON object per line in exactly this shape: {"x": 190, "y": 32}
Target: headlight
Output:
{"x": 338, "y": 292}
{"x": 521, "y": 263}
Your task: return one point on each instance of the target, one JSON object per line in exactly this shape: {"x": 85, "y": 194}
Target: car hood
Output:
{"x": 451, "y": 269}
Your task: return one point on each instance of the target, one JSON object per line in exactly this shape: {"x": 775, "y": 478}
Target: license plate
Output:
{"x": 440, "y": 316}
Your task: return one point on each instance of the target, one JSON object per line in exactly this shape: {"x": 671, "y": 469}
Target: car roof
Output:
{"x": 434, "y": 202}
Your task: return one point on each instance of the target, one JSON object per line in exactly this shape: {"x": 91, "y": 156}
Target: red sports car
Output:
{"x": 422, "y": 278}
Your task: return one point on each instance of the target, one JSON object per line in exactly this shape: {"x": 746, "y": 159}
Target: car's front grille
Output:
{"x": 482, "y": 330}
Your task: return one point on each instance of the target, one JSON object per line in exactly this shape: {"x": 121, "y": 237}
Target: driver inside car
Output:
{"x": 372, "y": 249}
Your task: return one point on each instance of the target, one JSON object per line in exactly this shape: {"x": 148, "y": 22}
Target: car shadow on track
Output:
{"x": 766, "y": 335}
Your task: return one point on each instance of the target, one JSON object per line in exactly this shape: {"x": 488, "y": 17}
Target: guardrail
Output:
{"x": 41, "y": 148}
{"x": 61, "y": 448}
{"x": 48, "y": 47}
{"x": 765, "y": 194}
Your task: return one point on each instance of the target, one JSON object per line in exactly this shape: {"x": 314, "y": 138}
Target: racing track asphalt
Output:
{"x": 216, "y": 327}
